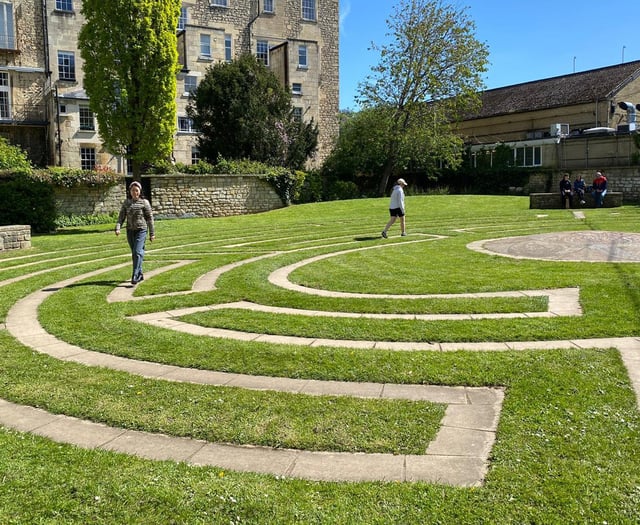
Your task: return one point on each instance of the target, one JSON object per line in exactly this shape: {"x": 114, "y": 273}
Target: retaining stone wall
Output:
{"x": 178, "y": 196}
{"x": 15, "y": 237}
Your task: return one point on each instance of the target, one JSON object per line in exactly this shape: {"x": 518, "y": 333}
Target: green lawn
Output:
{"x": 568, "y": 440}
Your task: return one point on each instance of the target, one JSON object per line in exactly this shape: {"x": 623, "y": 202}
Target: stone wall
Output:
{"x": 15, "y": 237}
{"x": 177, "y": 196}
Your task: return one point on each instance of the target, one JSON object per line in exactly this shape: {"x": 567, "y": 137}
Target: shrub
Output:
{"x": 72, "y": 177}
{"x": 24, "y": 200}
{"x": 13, "y": 158}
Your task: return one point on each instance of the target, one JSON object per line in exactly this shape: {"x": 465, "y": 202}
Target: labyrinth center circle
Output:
{"x": 574, "y": 246}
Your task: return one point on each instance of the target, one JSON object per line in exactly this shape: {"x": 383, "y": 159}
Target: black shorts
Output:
{"x": 396, "y": 212}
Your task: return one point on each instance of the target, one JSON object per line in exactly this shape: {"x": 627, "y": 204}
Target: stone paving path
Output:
{"x": 457, "y": 456}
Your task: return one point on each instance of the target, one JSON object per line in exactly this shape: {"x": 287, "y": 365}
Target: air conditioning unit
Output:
{"x": 559, "y": 130}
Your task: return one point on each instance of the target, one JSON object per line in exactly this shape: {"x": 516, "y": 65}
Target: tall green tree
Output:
{"x": 130, "y": 58}
{"x": 242, "y": 111}
{"x": 428, "y": 75}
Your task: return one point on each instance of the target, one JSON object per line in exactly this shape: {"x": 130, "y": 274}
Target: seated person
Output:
{"x": 566, "y": 197}
{"x": 599, "y": 189}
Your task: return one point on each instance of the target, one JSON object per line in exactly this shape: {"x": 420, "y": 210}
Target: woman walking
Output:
{"x": 137, "y": 212}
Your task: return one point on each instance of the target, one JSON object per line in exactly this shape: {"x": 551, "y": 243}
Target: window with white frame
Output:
{"x": 309, "y": 10}
{"x": 195, "y": 155}
{"x": 87, "y": 158}
{"x": 182, "y": 20}
{"x": 66, "y": 65}
{"x": 190, "y": 84}
{"x": 219, "y": 3}
{"x": 87, "y": 122}
{"x": 268, "y": 6}
{"x": 185, "y": 125}
{"x": 5, "y": 96}
{"x": 205, "y": 46}
{"x": 262, "y": 51}
{"x": 296, "y": 88}
{"x": 7, "y": 35}
{"x": 528, "y": 156}
{"x": 228, "y": 51}
{"x": 297, "y": 114}
{"x": 302, "y": 57}
{"x": 64, "y": 5}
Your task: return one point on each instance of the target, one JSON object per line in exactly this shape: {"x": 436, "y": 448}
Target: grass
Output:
{"x": 567, "y": 448}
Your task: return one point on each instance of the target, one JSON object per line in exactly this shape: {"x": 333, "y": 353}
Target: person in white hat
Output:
{"x": 396, "y": 208}
{"x": 139, "y": 218}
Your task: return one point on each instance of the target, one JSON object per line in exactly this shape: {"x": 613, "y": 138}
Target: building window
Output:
{"x": 205, "y": 46}
{"x": 297, "y": 114}
{"x": 302, "y": 57}
{"x": 87, "y": 122}
{"x": 227, "y": 48}
{"x": 195, "y": 155}
{"x": 296, "y": 88}
{"x": 5, "y": 97}
{"x": 7, "y": 38}
{"x": 268, "y": 6}
{"x": 262, "y": 51}
{"x": 185, "y": 125}
{"x": 309, "y": 10}
{"x": 66, "y": 65}
{"x": 528, "y": 156}
{"x": 87, "y": 158}
{"x": 220, "y": 3}
{"x": 190, "y": 85}
{"x": 182, "y": 20}
{"x": 64, "y": 5}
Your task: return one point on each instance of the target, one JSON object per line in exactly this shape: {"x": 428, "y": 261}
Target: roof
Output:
{"x": 567, "y": 90}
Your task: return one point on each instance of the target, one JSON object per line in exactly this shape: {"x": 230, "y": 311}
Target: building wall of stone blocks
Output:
{"x": 15, "y": 237}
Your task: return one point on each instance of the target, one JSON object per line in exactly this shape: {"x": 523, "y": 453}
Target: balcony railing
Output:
{"x": 22, "y": 113}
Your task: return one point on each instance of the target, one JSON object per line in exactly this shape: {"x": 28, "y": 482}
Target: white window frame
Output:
{"x": 262, "y": 51}
{"x": 64, "y": 5}
{"x": 297, "y": 113}
{"x": 268, "y": 6}
{"x": 205, "y": 46}
{"x": 7, "y": 27}
{"x": 86, "y": 118}
{"x": 309, "y": 10}
{"x": 87, "y": 157}
{"x": 195, "y": 155}
{"x": 527, "y": 156}
{"x": 303, "y": 57}
{"x": 296, "y": 88}
{"x": 228, "y": 48}
{"x": 219, "y": 3}
{"x": 190, "y": 85}
{"x": 185, "y": 125}
{"x": 5, "y": 96}
{"x": 183, "y": 18}
{"x": 68, "y": 68}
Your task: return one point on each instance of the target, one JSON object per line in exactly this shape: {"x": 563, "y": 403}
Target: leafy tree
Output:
{"x": 428, "y": 76}
{"x": 242, "y": 111}
{"x": 130, "y": 57}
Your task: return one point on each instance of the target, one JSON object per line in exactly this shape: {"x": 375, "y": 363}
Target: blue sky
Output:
{"x": 527, "y": 40}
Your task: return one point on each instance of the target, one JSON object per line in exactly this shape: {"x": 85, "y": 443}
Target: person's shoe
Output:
{"x": 384, "y": 234}
{"x": 403, "y": 234}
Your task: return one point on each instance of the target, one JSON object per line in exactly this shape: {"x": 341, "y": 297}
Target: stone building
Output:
{"x": 44, "y": 108}
{"x": 579, "y": 120}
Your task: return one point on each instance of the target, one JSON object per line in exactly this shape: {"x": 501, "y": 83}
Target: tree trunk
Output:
{"x": 384, "y": 180}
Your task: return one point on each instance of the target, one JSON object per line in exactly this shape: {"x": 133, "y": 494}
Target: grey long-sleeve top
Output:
{"x": 138, "y": 215}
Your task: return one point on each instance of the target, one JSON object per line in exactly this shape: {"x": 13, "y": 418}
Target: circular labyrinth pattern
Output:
{"x": 578, "y": 246}
{"x": 457, "y": 456}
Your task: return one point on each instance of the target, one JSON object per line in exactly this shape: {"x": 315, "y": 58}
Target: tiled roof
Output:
{"x": 577, "y": 88}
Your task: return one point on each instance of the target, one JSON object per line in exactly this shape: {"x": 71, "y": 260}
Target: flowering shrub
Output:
{"x": 73, "y": 177}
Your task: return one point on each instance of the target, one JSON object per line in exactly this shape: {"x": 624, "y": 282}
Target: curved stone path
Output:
{"x": 457, "y": 456}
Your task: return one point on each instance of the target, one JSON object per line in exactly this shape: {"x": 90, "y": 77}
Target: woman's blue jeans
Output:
{"x": 136, "y": 239}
